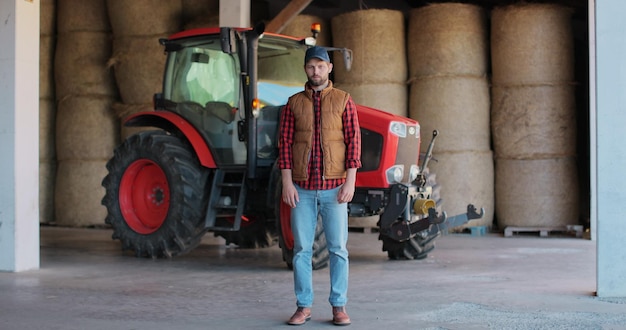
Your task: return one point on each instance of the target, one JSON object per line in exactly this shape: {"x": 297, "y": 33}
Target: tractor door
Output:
{"x": 205, "y": 84}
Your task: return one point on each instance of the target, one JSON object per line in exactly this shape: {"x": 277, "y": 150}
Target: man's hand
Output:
{"x": 346, "y": 192}
{"x": 290, "y": 194}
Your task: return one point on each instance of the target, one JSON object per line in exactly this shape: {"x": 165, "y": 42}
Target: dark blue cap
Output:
{"x": 316, "y": 52}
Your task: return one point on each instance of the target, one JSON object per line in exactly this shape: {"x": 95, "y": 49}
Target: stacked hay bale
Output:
{"x": 534, "y": 116}
{"x": 138, "y": 58}
{"x": 47, "y": 109}
{"x": 448, "y": 56}
{"x": 85, "y": 126}
{"x": 379, "y": 68}
{"x": 300, "y": 27}
{"x": 200, "y": 13}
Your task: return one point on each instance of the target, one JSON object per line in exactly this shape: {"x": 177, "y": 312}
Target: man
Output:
{"x": 320, "y": 151}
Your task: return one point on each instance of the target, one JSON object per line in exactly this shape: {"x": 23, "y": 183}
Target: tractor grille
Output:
{"x": 409, "y": 150}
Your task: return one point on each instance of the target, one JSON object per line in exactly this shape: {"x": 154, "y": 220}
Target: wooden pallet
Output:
{"x": 545, "y": 231}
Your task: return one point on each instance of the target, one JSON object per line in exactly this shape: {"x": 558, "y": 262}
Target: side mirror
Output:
{"x": 347, "y": 56}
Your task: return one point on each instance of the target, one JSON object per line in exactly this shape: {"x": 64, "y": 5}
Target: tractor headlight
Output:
{"x": 398, "y": 128}
{"x": 395, "y": 174}
{"x": 413, "y": 172}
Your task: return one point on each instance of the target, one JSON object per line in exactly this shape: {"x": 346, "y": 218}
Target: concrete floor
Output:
{"x": 488, "y": 282}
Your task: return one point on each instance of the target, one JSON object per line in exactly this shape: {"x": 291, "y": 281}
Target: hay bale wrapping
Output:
{"x": 144, "y": 17}
{"x": 82, "y": 16}
{"x": 81, "y": 65}
{"x": 537, "y": 192}
{"x": 534, "y": 122}
{"x": 138, "y": 64}
{"x": 458, "y": 107}
{"x": 466, "y": 177}
{"x": 532, "y": 44}
{"x": 447, "y": 39}
{"x": 377, "y": 39}
{"x": 389, "y": 97}
{"x": 78, "y": 193}
{"x": 86, "y": 128}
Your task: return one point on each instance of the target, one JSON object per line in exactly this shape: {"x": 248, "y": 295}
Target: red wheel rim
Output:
{"x": 285, "y": 225}
{"x": 144, "y": 196}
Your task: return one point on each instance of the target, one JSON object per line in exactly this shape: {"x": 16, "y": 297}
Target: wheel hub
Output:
{"x": 144, "y": 196}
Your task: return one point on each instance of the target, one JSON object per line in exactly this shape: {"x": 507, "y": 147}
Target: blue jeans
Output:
{"x": 303, "y": 224}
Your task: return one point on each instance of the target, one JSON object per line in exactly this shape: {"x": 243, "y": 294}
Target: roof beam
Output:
{"x": 286, "y": 15}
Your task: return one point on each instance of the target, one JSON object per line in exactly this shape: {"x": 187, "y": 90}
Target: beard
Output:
{"x": 320, "y": 81}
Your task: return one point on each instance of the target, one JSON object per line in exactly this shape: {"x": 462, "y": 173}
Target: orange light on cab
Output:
{"x": 316, "y": 28}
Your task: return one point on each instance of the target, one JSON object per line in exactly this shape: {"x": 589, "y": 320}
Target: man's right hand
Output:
{"x": 290, "y": 194}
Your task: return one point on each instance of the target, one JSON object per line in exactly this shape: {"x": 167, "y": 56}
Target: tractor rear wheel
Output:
{"x": 156, "y": 195}
{"x": 320, "y": 256}
{"x": 417, "y": 247}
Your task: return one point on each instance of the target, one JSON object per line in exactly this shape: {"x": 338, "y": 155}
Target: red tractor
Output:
{"x": 210, "y": 163}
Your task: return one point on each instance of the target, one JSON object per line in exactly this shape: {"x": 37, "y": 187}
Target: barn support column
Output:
{"x": 19, "y": 135}
{"x": 235, "y": 13}
{"x": 608, "y": 161}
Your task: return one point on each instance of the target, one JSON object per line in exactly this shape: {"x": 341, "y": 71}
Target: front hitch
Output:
{"x": 455, "y": 221}
{"x": 435, "y": 223}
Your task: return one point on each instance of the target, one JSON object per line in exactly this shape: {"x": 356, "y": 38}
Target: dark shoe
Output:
{"x": 300, "y": 317}
{"x": 340, "y": 317}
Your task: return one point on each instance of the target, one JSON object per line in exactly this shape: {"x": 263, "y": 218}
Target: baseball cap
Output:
{"x": 316, "y": 52}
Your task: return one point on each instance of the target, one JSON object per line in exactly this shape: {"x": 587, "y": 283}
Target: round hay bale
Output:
{"x": 447, "y": 38}
{"x": 300, "y": 27}
{"x": 458, "y": 107}
{"x": 138, "y": 65}
{"x": 532, "y": 44}
{"x": 389, "y": 97}
{"x": 466, "y": 178}
{"x": 200, "y": 13}
{"x": 82, "y": 16}
{"x": 144, "y": 17}
{"x": 47, "y": 122}
{"x": 80, "y": 65}
{"x": 78, "y": 193}
{"x": 536, "y": 192}
{"x": 534, "y": 121}
{"x": 47, "y": 17}
{"x": 86, "y": 128}
{"x": 377, "y": 39}
{"x": 47, "y": 177}
{"x": 46, "y": 66}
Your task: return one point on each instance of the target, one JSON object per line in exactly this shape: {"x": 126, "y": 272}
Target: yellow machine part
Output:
{"x": 421, "y": 206}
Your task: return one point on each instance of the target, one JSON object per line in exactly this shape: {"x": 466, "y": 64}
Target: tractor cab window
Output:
{"x": 204, "y": 74}
{"x": 205, "y": 84}
{"x": 280, "y": 75}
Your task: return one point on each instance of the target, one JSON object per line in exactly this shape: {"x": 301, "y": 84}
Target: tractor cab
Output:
{"x": 216, "y": 91}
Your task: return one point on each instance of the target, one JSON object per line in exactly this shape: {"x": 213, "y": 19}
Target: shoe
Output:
{"x": 340, "y": 317}
{"x": 300, "y": 317}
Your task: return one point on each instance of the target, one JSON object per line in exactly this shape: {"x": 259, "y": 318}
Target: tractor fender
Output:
{"x": 170, "y": 121}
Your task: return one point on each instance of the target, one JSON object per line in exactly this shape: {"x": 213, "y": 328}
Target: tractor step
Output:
{"x": 227, "y": 200}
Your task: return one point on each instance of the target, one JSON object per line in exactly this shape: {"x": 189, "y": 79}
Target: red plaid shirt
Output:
{"x": 352, "y": 138}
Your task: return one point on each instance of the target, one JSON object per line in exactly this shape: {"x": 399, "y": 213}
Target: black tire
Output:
{"x": 417, "y": 247}
{"x": 255, "y": 233}
{"x": 320, "y": 257}
{"x": 155, "y": 195}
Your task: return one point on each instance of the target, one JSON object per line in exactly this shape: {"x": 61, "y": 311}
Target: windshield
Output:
{"x": 281, "y": 70}
{"x": 201, "y": 74}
